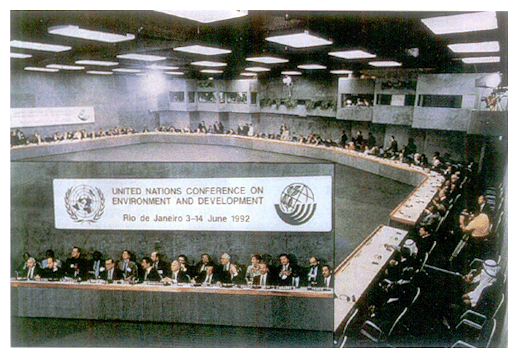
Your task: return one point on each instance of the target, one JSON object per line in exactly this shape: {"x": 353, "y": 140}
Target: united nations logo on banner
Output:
{"x": 297, "y": 205}
{"x": 84, "y": 203}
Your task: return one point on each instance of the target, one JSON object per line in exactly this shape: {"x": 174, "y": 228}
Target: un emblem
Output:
{"x": 84, "y": 203}
{"x": 297, "y": 205}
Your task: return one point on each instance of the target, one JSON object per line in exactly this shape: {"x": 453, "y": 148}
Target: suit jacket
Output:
{"x": 36, "y": 271}
{"x": 331, "y": 282}
{"x": 117, "y": 274}
{"x": 319, "y": 278}
{"x": 153, "y": 275}
{"x": 199, "y": 266}
{"x": 131, "y": 269}
{"x": 181, "y": 278}
{"x": 288, "y": 280}
{"x": 51, "y": 274}
{"x": 270, "y": 279}
{"x": 82, "y": 265}
{"x": 163, "y": 268}
{"x": 203, "y": 275}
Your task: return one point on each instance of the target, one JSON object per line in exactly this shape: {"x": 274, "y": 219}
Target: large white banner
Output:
{"x": 212, "y": 204}
{"x": 51, "y": 116}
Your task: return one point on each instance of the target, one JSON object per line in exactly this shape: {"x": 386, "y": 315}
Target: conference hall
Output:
{"x": 258, "y": 179}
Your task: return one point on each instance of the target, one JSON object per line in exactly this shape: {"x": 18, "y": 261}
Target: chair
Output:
{"x": 370, "y": 330}
{"x": 462, "y": 344}
{"x": 499, "y": 306}
{"x": 489, "y": 333}
{"x": 404, "y": 312}
{"x": 472, "y": 318}
{"x": 344, "y": 331}
{"x": 432, "y": 248}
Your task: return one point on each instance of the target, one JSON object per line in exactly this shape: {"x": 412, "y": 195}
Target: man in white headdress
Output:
{"x": 485, "y": 280}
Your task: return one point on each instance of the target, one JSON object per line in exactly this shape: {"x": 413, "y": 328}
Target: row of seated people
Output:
{"x": 421, "y": 294}
{"x": 408, "y": 154}
{"x": 18, "y": 138}
{"x": 156, "y": 269}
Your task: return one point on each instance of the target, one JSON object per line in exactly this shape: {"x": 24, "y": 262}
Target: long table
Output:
{"x": 360, "y": 269}
{"x": 276, "y": 308}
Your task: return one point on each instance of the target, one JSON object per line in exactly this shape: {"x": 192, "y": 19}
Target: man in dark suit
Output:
{"x": 110, "y": 272}
{"x": 149, "y": 273}
{"x": 265, "y": 278}
{"x": 184, "y": 265}
{"x": 52, "y": 270}
{"x": 201, "y": 266}
{"x": 223, "y": 270}
{"x": 208, "y": 277}
{"x": 76, "y": 266}
{"x": 94, "y": 269}
{"x": 288, "y": 272}
{"x": 314, "y": 275}
{"x": 236, "y": 274}
{"x": 128, "y": 268}
{"x": 32, "y": 270}
{"x": 328, "y": 280}
{"x": 160, "y": 265}
{"x": 177, "y": 275}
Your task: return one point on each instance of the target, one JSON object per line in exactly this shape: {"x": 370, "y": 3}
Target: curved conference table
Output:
{"x": 296, "y": 309}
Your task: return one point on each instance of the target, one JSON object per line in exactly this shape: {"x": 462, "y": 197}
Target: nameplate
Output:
{"x": 199, "y": 204}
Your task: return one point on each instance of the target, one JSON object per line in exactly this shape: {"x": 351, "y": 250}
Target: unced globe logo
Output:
{"x": 297, "y": 205}
{"x": 84, "y": 203}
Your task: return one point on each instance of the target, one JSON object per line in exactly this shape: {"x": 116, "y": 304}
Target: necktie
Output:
{"x": 110, "y": 274}
{"x": 29, "y": 273}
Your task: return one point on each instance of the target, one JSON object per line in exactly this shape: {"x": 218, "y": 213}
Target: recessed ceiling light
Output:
{"x": 248, "y": 74}
{"x": 173, "y": 73}
{"x": 39, "y": 46}
{"x": 19, "y": 55}
{"x": 41, "y": 69}
{"x": 76, "y": 32}
{"x": 126, "y": 70}
{"x": 66, "y": 67}
{"x": 208, "y": 63}
{"x": 99, "y": 72}
{"x": 165, "y": 68}
{"x": 489, "y": 59}
{"x": 139, "y": 57}
{"x": 291, "y": 73}
{"x": 267, "y": 59}
{"x": 206, "y": 16}
{"x": 257, "y": 69}
{"x": 384, "y": 63}
{"x": 203, "y": 50}
{"x": 96, "y": 63}
{"x": 352, "y": 54}
{"x": 489, "y": 46}
{"x": 300, "y": 40}
{"x": 341, "y": 72}
{"x": 312, "y": 66}
{"x": 211, "y": 71}
{"x": 477, "y": 21}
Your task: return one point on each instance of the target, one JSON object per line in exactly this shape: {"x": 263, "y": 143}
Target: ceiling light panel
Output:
{"x": 211, "y": 71}
{"x": 248, "y": 74}
{"x": 39, "y": 46}
{"x": 257, "y": 69}
{"x": 267, "y": 59}
{"x": 126, "y": 70}
{"x": 139, "y": 57}
{"x": 488, "y": 59}
{"x": 77, "y": 32}
{"x": 477, "y": 21}
{"x": 96, "y": 63}
{"x": 164, "y": 68}
{"x": 489, "y": 46}
{"x": 291, "y": 73}
{"x": 352, "y": 54}
{"x": 384, "y": 63}
{"x": 66, "y": 67}
{"x": 99, "y": 73}
{"x": 173, "y": 73}
{"x": 341, "y": 72}
{"x": 41, "y": 69}
{"x": 208, "y": 63}
{"x": 206, "y": 16}
{"x": 312, "y": 67}
{"x": 19, "y": 55}
{"x": 300, "y": 40}
{"x": 203, "y": 50}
